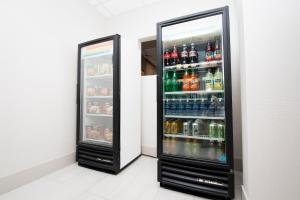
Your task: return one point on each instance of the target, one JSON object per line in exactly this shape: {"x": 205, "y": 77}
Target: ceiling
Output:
{"x": 109, "y": 8}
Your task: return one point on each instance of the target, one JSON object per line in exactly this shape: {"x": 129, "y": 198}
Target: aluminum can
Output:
{"x": 213, "y": 130}
{"x": 195, "y": 129}
{"x": 221, "y": 131}
{"x": 186, "y": 128}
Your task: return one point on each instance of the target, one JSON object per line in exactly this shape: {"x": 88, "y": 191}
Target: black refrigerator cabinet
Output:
{"x": 195, "y": 144}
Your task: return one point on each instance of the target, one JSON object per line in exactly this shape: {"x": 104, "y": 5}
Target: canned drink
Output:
{"x": 175, "y": 127}
{"x": 186, "y": 128}
{"x": 221, "y": 130}
{"x": 168, "y": 127}
{"x": 195, "y": 129}
{"x": 213, "y": 130}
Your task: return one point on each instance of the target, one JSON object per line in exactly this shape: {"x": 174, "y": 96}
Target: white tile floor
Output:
{"x": 136, "y": 182}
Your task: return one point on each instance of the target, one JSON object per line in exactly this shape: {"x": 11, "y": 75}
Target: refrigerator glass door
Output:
{"x": 193, "y": 90}
{"x": 97, "y": 94}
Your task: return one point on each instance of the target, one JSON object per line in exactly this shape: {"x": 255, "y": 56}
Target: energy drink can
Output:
{"x": 221, "y": 131}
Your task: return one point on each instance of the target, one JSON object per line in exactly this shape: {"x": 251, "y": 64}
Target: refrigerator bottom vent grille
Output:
{"x": 94, "y": 158}
{"x": 196, "y": 179}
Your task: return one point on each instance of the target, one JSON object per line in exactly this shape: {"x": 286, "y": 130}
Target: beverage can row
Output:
{"x": 197, "y": 128}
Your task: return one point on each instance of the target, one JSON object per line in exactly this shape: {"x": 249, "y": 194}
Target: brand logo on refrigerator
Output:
{"x": 103, "y": 160}
{"x": 209, "y": 182}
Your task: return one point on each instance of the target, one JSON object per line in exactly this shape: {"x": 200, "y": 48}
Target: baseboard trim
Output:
{"x": 14, "y": 181}
{"x": 149, "y": 151}
{"x": 244, "y": 193}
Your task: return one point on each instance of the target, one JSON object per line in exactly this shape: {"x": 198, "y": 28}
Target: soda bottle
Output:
{"x": 195, "y": 107}
{"x": 174, "y": 56}
{"x": 218, "y": 80}
{"x": 218, "y": 51}
{"x": 209, "y": 52}
{"x": 173, "y": 109}
{"x": 188, "y": 107}
{"x": 209, "y": 80}
{"x": 186, "y": 81}
{"x": 203, "y": 106}
{"x": 167, "y": 57}
{"x": 181, "y": 107}
{"x": 167, "y": 82}
{"x": 212, "y": 106}
{"x": 184, "y": 54}
{"x": 167, "y": 107}
{"x": 174, "y": 85}
{"x": 220, "y": 107}
{"x": 194, "y": 82}
{"x": 193, "y": 55}
{"x": 201, "y": 77}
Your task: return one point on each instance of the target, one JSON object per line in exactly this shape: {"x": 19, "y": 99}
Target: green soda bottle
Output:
{"x": 167, "y": 82}
{"x": 174, "y": 85}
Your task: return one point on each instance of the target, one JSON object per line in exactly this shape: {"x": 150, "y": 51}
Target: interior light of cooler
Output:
{"x": 193, "y": 28}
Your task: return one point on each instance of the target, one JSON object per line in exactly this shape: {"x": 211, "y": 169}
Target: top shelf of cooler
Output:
{"x": 200, "y": 65}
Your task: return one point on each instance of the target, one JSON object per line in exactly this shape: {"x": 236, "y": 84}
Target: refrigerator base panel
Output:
{"x": 197, "y": 180}
{"x": 98, "y": 159}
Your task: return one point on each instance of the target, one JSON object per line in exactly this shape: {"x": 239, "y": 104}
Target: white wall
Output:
{"x": 149, "y": 123}
{"x": 141, "y": 23}
{"x": 38, "y": 48}
{"x": 270, "y": 99}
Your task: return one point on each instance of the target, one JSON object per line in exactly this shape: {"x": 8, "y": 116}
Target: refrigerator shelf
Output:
{"x": 99, "y": 97}
{"x": 99, "y": 76}
{"x": 98, "y": 55}
{"x": 195, "y": 92}
{"x": 201, "y": 137}
{"x": 200, "y": 65}
{"x": 194, "y": 117}
{"x": 98, "y": 115}
{"x": 98, "y": 141}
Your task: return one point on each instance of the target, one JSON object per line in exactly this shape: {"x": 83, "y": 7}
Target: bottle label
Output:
{"x": 174, "y": 55}
{"x": 209, "y": 56}
{"x": 218, "y": 84}
{"x": 167, "y": 56}
{"x": 184, "y": 54}
{"x": 208, "y": 84}
{"x": 218, "y": 54}
{"x": 193, "y": 54}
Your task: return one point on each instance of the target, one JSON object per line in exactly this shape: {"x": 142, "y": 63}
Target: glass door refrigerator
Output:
{"x": 98, "y": 104}
{"x": 195, "y": 145}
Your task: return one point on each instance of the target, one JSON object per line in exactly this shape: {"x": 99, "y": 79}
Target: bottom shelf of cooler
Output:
{"x": 200, "y": 137}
